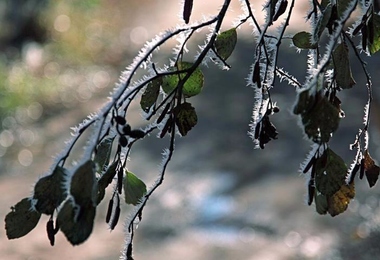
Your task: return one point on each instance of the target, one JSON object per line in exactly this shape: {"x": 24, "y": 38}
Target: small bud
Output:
{"x": 123, "y": 141}
{"x": 137, "y": 134}
{"x": 120, "y": 120}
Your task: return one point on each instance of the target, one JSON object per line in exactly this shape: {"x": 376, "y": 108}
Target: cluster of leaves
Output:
{"x": 70, "y": 195}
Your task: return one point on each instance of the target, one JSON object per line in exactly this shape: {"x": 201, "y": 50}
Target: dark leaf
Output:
{"x": 103, "y": 153}
{"x": 302, "y": 40}
{"x": 21, "y": 220}
{"x": 321, "y": 204}
{"x": 84, "y": 184}
{"x": 49, "y": 191}
{"x": 330, "y": 173}
{"x": 186, "y": 117}
{"x": 319, "y": 117}
{"x": 371, "y": 169}
{"x": 342, "y": 67}
{"x": 75, "y": 221}
{"x": 150, "y": 95}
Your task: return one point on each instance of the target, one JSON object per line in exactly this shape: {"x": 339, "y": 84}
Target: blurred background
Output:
{"x": 221, "y": 199}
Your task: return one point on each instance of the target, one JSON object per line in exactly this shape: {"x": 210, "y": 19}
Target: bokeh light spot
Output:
{"x": 25, "y": 157}
{"x": 6, "y": 138}
{"x": 62, "y": 23}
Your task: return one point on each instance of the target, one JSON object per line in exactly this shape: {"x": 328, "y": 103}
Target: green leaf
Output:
{"x": 321, "y": 204}
{"x": 342, "y": 67}
{"x": 150, "y": 95}
{"x": 342, "y": 6}
{"x": 225, "y": 43}
{"x": 105, "y": 180}
{"x": 374, "y": 46}
{"x": 103, "y": 153}
{"x": 21, "y": 220}
{"x": 134, "y": 189}
{"x": 186, "y": 117}
{"x": 49, "y": 191}
{"x": 194, "y": 84}
{"x": 84, "y": 184}
{"x": 75, "y": 221}
{"x": 330, "y": 173}
{"x": 302, "y": 40}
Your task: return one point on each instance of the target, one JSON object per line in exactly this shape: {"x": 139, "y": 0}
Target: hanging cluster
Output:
{"x": 70, "y": 194}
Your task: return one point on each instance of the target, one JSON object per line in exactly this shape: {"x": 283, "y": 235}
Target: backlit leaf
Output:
{"x": 150, "y": 95}
{"x": 338, "y": 202}
{"x": 342, "y": 67}
{"x": 76, "y": 222}
{"x": 21, "y": 220}
{"x": 374, "y": 46}
{"x": 103, "y": 153}
{"x": 186, "y": 117}
{"x": 371, "y": 169}
{"x": 49, "y": 191}
{"x": 84, "y": 184}
{"x": 319, "y": 117}
{"x": 225, "y": 43}
{"x": 320, "y": 201}
{"x": 193, "y": 85}
{"x": 330, "y": 173}
{"x": 303, "y": 40}
{"x": 134, "y": 189}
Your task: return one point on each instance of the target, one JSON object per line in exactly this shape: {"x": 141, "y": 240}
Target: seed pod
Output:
{"x": 120, "y": 181}
{"x": 123, "y": 141}
{"x": 361, "y": 175}
{"x": 256, "y": 74}
{"x": 50, "y": 231}
{"x": 127, "y": 129}
{"x": 120, "y": 120}
{"x": 109, "y": 210}
{"x": 163, "y": 113}
{"x": 115, "y": 218}
{"x": 353, "y": 173}
{"x": 137, "y": 134}
{"x": 311, "y": 192}
{"x": 309, "y": 164}
{"x": 280, "y": 10}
